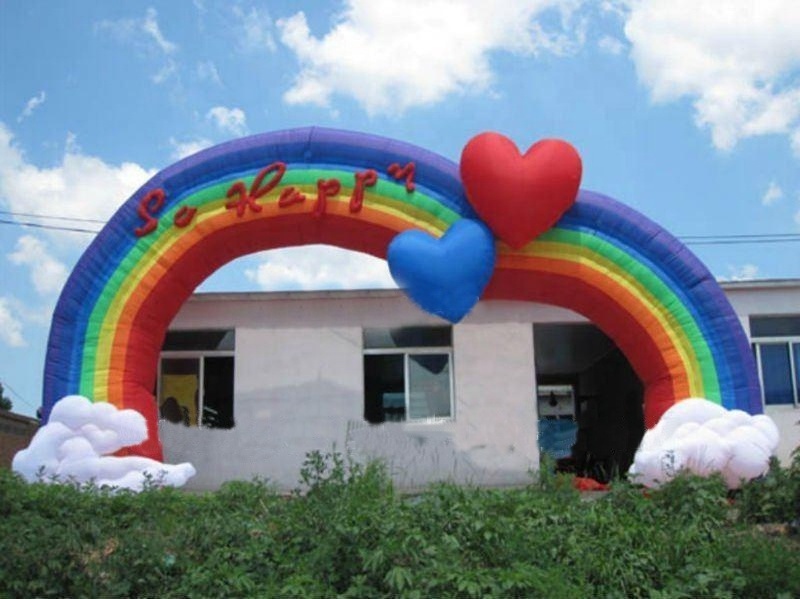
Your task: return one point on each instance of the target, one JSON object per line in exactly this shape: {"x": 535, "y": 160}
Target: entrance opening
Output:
{"x": 589, "y": 401}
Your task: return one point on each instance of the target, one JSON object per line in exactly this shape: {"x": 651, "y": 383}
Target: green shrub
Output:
{"x": 774, "y": 497}
{"x": 768, "y": 565}
{"x": 346, "y": 533}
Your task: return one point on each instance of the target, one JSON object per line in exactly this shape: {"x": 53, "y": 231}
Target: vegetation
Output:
{"x": 348, "y": 534}
{"x": 5, "y": 402}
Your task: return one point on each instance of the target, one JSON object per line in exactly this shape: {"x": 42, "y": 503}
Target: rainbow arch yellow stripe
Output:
{"x": 638, "y": 283}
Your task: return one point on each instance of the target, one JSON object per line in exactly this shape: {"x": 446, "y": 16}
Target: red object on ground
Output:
{"x": 583, "y": 483}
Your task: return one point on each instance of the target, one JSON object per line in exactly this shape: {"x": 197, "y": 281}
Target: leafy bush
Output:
{"x": 347, "y": 533}
{"x": 774, "y": 497}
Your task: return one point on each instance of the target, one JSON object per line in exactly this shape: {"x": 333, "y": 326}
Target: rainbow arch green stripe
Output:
{"x": 386, "y": 199}
{"x": 644, "y": 280}
{"x": 604, "y": 260}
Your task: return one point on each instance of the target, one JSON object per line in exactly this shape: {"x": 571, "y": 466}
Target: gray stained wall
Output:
{"x": 299, "y": 386}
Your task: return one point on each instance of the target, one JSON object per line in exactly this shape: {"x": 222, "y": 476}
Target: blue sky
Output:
{"x": 689, "y": 114}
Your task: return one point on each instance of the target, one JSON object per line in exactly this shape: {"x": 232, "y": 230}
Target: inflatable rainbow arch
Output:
{"x": 634, "y": 280}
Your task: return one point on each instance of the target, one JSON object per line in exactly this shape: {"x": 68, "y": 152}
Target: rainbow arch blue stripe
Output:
{"x": 667, "y": 312}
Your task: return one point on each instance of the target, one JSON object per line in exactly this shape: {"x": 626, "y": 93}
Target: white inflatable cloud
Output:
{"x": 74, "y": 444}
{"x": 702, "y": 437}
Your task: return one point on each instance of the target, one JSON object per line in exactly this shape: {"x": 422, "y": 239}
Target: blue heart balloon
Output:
{"x": 444, "y": 276}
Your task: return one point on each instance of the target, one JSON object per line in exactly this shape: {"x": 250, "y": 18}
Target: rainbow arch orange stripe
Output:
{"x": 604, "y": 260}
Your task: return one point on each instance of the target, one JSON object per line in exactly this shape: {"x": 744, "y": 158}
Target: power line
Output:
{"x": 732, "y": 239}
{"x": 53, "y": 217}
{"x": 741, "y": 241}
{"x": 25, "y": 401}
{"x": 49, "y": 227}
{"x": 741, "y": 236}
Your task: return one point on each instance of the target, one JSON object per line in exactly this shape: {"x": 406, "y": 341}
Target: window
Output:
{"x": 776, "y": 342}
{"x": 195, "y": 382}
{"x": 408, "y": 374}
{"x": 775, "y": 326}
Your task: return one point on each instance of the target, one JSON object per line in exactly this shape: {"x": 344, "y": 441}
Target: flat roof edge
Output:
{"x": 367, "y": 293}
{"x": 298, "y": 294}
{"x": 761, "y": 284}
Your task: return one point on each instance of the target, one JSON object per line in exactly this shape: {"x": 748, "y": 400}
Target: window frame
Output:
{"x": 790, "y": 342}
{"x": 410, "y": 351}
{"x": 199, "y": 355}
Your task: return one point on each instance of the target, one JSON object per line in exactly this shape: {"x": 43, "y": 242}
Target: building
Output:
{"x": 16, "y": 432}
{"x": 250, "y": 382}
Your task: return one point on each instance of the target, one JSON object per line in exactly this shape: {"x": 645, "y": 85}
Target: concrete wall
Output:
{"x": 295, "y": 390}
{"x": 299, "y": 387}
{"x": 788, "y": 420}
{"x": 766, "y": 298}
{"x": 763, "y": 298}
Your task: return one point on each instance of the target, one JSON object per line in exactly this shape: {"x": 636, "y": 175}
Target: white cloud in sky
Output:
{"x": 610, "y": 45}
{"x": 737, "y": 60}
{"x": 165, "y": 72}
{"x": 254, "y": 29}
{"x": 319, "y": 267}
{"x": 617, "y": 7}
{"x": 796, "y": 142}
{"x": 207, "y": 71}
{"x": 745, "y": 272}
{"x": 10, "y": 325}
{"x": 81, "y": 185}
{"x": 145, "y": 33}
{"x": 182, "y": 149}
{"x": 391, "y": 55}
{"x": 32, "y": 105}
{"x": 40, "y": 314}
{"x": 228, "y": 120}
{"x": 131, "y": 30}
{"x": 150, "y": 27}
{"x": 47, "y": 273}
{"x": 772, "y": 195}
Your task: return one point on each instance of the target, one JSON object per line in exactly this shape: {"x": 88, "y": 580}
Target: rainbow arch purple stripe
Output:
{"x": 648, "y": 291}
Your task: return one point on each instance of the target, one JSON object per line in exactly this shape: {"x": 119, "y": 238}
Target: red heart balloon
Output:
{"x": 519, "y": 196}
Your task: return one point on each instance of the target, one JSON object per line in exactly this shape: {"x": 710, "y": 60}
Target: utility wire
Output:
{"x": 18, "y": 396}
{"x": 732, "y": 239}
{"x": 53, "y": 217}
{"x": 50, "y": 227}
{"x": 742, "y": 236}
{"x": 741, "y": 241}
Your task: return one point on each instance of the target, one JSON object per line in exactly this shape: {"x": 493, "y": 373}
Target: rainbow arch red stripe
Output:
{"x": 604, "y": 260}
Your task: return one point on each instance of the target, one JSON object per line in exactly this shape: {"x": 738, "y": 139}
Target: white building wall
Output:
{"x": 496, "y": 390}
{"x": 771, "y": 298}
{"x": 299, "y": 387}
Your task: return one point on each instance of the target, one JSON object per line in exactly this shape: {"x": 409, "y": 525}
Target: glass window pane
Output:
{"x": 180, "y": 380}
{"x": 429, "y": 386}
{"x": 218, "y": 392}
{"x": 556, "y": 437}
{"x": 796, "y": 354}
{"x": 774, "y": 326}
{"x": 200, "y": 341}
{"x": 384, "y": 388}
{"x": 408, "y": 337}
{"x": 777, "y": 374}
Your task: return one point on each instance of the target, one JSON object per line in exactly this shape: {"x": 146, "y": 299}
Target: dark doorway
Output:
{"x": 589, "y": 401}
